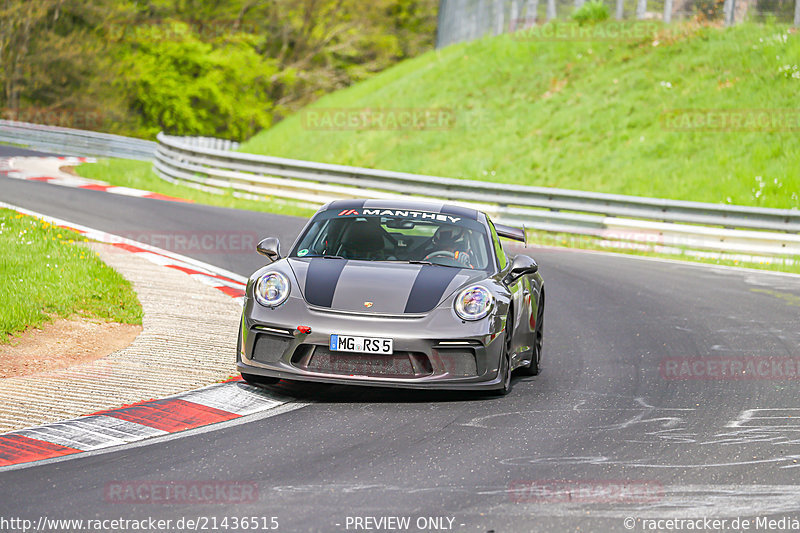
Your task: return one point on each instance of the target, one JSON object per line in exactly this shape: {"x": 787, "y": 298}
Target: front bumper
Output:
{"x": 458, "y": 356}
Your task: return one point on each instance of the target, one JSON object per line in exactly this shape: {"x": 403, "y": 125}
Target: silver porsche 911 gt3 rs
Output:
{"x": 394, "y": 294}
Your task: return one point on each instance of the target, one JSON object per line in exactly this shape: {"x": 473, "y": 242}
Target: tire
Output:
{"x": 534, "y": 367}
{"x": 253, "y": 379}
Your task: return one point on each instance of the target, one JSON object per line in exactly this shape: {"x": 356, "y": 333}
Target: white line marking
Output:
{"x": 122, "y": 429}
{"x": 68, "y": 434}
{"x": 87, "y": 434}
{"x": 241, "y": 399}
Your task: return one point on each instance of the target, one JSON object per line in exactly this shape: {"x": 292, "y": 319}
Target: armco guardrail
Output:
{"x": 712, "y": 226}
{"x": 211, "y": 164}
{"x": 68, "y": 141}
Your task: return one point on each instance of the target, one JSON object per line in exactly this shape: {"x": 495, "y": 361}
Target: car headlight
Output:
{"x": 272, "y": 289}
{"x": 474, "y": 303}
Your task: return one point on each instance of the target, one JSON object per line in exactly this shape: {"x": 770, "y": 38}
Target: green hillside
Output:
{"x": 597, "y": 115}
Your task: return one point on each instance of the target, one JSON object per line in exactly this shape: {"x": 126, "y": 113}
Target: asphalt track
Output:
{"x": 13, "y": 151}
{"x": 604, "y": 412}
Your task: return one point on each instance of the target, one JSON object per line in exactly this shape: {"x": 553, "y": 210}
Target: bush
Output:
{"x": 591, "y": 13}
{"x": 184, "y": 86}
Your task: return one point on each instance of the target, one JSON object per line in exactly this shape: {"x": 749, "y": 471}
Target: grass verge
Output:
{"x": 46, "y": 271}
{"x": 140, "y": 175}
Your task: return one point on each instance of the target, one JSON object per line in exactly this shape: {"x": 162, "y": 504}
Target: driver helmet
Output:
{"x": 449, "y": 237}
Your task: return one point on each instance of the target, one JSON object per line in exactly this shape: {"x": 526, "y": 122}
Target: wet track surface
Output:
{"x": 613, "y": 406}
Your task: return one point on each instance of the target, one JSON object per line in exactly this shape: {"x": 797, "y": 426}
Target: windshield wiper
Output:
{"x": 332, "y": 257}
{"x": 409, "y": 262}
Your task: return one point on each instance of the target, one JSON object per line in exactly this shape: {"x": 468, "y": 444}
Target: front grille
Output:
{"x": 270, "y": 348}
{"x": 399, "y": 365}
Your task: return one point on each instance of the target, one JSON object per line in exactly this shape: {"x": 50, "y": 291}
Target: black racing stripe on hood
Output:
{"x": 321, "y": 280}
{"x": 429, "y": 287}
{"x": 462, "y": 212}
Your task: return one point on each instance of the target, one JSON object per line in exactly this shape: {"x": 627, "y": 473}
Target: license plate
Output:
{"x": 346, "y": 343}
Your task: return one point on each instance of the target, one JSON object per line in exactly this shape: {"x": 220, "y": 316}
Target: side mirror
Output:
{"x": 270, "y": 248}
{"x": 520, "y": 266}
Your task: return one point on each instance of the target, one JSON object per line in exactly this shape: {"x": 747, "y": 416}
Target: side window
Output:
{"x": 502, "y": 260}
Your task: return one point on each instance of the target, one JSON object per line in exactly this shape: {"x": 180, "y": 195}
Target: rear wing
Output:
{"x": 512, "y": 233}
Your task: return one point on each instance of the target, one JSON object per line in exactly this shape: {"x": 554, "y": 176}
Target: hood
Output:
{"x": 377, "y": 287}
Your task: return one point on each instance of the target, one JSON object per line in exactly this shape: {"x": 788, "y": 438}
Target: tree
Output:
{"x": 210, "y": 67}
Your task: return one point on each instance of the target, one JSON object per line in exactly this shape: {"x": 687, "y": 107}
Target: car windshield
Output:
{"x": 437, "y": 239}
